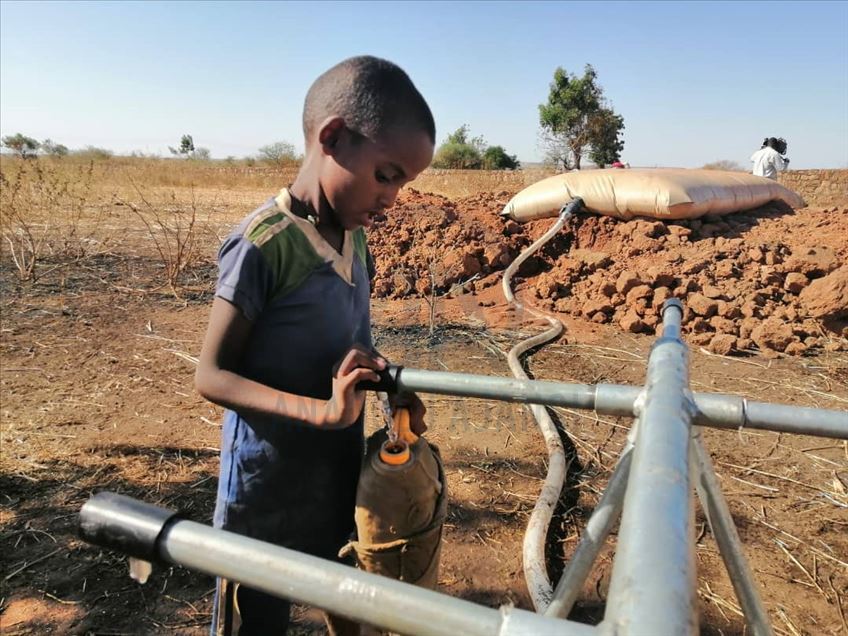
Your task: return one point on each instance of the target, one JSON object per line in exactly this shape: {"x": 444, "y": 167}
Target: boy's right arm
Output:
{"x": 215, "y": 379}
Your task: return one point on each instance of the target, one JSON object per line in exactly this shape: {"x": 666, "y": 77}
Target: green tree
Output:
{"x": 50, "y": 147}
{"x": 26, "y": 147}
{"x": 460, "y": 151}
{"x": 606, "y": 144}
{"x": 462, "y": 136}
{"x": 186, "y": 148}
{"x": 279, "y": 152}
{"x": 457, "y": 156}
{"x": 496, "y": 158}
{"x": 576, "y": 119}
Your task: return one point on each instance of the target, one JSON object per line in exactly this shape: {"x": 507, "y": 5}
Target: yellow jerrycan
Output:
{"x": 401, "y": 505}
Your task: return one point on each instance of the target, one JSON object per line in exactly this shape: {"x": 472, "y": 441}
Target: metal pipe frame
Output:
{"x": 652, "y": 589}
{"x": 361, "y": 596}
{"x": 711, "y": 409}
{"x": 341, "y": 589}
{"x": 723, "y": 529}
{"x": 653, "y": 580}
{"x": 597, "y": 530}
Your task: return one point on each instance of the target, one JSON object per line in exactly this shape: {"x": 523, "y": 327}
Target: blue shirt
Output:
{"x": 308, "y": 306}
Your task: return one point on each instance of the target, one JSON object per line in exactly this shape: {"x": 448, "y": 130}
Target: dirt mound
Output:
{"x": 769, "y": 278}
{"x": 429, "y": 244}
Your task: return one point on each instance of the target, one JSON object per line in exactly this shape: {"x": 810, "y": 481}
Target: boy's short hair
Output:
{"x": 371, "y": 95}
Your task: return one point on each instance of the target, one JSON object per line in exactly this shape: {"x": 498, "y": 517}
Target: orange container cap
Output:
{"x": 395, "y": 454}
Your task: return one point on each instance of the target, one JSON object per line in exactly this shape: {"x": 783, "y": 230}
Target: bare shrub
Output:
{"x": 95, "y": 153}
{"x": 279, "y": 153}
{"x": 49, "y": 212}
{"x": 174, "y": 228}
{"x": 724, "y": 164}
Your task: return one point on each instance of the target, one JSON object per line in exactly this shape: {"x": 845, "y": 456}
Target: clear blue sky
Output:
{"x": 695, "y": 82}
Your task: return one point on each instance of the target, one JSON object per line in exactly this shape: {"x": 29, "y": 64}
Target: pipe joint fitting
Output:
{"x": 124, "y": 524}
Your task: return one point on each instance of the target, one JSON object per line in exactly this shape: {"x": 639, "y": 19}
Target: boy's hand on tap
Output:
{"x": 347, "y": 402}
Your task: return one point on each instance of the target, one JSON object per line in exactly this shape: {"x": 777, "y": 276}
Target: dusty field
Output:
{"x": 97, "y": 394}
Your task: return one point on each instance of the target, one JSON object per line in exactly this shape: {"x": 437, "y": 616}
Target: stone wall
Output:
{"x": 463, "y": 183}
{"x": 820, "y": 188}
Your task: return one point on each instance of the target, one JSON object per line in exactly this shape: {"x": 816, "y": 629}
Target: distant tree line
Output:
{"x": 26, "y": 147}
{"x": 276, "y": 153}
{"x": 576, "y": 121}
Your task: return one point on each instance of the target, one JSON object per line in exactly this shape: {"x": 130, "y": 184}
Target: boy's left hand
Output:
{"x": 411, "y": 401}
{"x": 416, "y": 407}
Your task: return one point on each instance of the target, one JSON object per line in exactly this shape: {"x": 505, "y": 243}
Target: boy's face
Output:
{"x": 361, "y": 177}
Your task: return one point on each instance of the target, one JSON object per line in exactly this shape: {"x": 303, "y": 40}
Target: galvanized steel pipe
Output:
{"x": 494, "y": 388}
{"x": 340, "y": 589}
{"x": 796, "y": 419}
{"x": 729, "y": 544}
{"x": 652, "y": 590}
{"x": 717, "y": 410}
{"x": 600, "y": 524}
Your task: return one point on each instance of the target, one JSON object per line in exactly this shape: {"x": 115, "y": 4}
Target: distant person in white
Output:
{"x": 769, "y": 159}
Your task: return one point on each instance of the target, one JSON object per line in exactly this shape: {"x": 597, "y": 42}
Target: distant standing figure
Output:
{"x": 769, "y": 159}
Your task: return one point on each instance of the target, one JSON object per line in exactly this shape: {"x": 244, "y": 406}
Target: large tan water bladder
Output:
{"x": 661, "y": 193}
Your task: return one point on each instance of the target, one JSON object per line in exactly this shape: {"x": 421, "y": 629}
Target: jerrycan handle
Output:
{"x": 398, "y": 453}
{"x": 401, "y": 420}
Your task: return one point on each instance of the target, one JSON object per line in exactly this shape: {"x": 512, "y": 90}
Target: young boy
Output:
{"x": 292, "y": 300}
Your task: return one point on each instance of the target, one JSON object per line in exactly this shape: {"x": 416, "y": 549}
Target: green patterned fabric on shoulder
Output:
{"x": 288, "y": 252}
{"x": 360, "y": 245}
